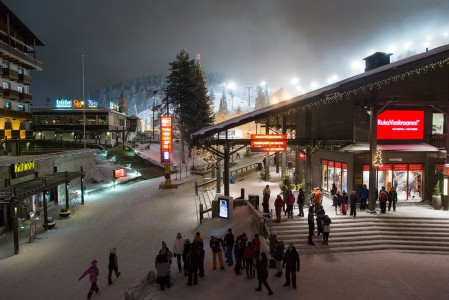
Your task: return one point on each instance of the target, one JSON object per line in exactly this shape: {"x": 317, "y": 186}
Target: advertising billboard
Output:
{"x": 400, "y": 125}
{"x": 223, "y": 208}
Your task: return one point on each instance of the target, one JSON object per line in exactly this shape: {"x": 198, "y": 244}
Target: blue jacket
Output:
{"x": 363, "y": 193}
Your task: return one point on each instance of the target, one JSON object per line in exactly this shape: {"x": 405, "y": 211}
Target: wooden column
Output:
{"x": 372, "y": 153}
{"x": 226, "y": 169}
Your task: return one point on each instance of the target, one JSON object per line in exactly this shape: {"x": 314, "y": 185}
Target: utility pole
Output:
{"x": 249, "y": 94}
{"x": 84, "y": 107}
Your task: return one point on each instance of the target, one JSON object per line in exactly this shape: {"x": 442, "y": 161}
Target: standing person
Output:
{"x": 262, "y": 274}
{"x": 238, "y": 252}
{"x": 166, "y": 252}
{"x": 320, "y": 218}
{"x": 266, "y": 199}
{"x": 392, "y": 197}
{"x": 333, "y": 190}
{"x": 337, "y": 201}
{"x": 326, "y": 229}
{"x": 363, "y": 195}
{"x": 201, "y": 262}
{"x": 311, "y": 222}
{"x": 162, "y": 266}
{"x": 195, "y": 258}
{"x": 353, "y": 203}
{"x": 186, "y": 256}
{"x": 113, "y": 265}
{"x": 317, "y": 197}
{"x": 344, "y": 202}
{"x": 300, "y": 201}
{"x": 290, "y": 201}
{"x": 248, "y": 255}
{"x": 291, "y": 263}
{"x": 383, "y": 198}
{"x": 256, "y": 244}
{"x": 216, "y": 252}
{"x": 278, "y": 203}
{"x": 178, "y": 250}
{"x": 279, "y": 257}
{"x": 93, "y": 276}
{"x": 229, "y": 242}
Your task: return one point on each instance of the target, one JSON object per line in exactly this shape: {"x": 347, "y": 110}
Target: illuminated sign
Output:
{"x": 113, "y": 106}
{"x": 400, "y": 125}
{"x": 119, "y": 173}
{"x": 223, "y": 208}
{"x": 63, "y": 103}
{"x": 22, "y": 169}
{"x": 78, "y": 103}
{"x": 268, "y": 142}
{"x": 166, "y": 138}
{"x": 302, "y": 156}
{"x": 92, "y": 103}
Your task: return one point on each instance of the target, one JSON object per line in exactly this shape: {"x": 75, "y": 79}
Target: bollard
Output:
{"x": 242, "y": 193}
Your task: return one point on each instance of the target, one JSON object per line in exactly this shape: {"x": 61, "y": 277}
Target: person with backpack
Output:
{"x": 216, "y": 252}
{"x": 383, "y": 198}
{"x": 353, "y": 203}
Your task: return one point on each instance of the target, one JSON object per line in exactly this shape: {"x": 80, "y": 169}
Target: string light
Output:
{"x": 377, "y": 160}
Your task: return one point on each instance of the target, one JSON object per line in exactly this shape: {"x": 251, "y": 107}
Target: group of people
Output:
{"x": 383, "y": 196}
{"x": 94, "y": 272}
{"x": 285, "y": 204}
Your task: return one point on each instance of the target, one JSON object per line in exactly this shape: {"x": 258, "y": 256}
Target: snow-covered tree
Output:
{"x": 261, "y": 101}
{"x": 122, "y": 103}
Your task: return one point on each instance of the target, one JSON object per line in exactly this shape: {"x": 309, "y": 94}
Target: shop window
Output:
{"x": 415, "y": 181}
{"x": 324, "y": 177}
{"x": 330, "y": 174}
{"x": 400, "y": 180}
{"x": 437, "y": 123}
{"x": 365, "y": 176}
{"x": 344, "y": 177}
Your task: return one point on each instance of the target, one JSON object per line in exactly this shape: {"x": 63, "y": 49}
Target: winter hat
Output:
{"x": 113, "y": 250}
{"x": 178, "y": 235}
{"x": 198, "y": 233}
{"x": 164, "y": 244}
{"x": 94, "y": 262}
{"x": 230, "y": 229}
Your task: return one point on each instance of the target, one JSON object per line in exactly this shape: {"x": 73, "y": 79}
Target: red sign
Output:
{"x": 345, "y": 166}
{"x": 330, "y": 164}
{"x": 446, "y": 169}
{"x": 324, "y": 162}
{"x": 302, "y": 156}
{"x": 119, "y": 173}
{"x": 338, "y": 165}
{"x": 400, "y": 125}
{"x": 268, "y": 142}
{"x": 400, "y": 167}
{"x": 166, "y": 138}
{"x": 384, "y": 168}
{"x": 268, "y": 149}
{"x": 439, "y": 167}
{"x": 366, "y": 168}
{"x": 415, "y": 167}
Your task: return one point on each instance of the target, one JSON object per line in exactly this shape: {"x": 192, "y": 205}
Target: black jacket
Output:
{"x": 291, "y": 259}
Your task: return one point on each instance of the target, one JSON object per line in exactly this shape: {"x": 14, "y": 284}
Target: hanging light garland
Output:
{"x": 377, "y": 160}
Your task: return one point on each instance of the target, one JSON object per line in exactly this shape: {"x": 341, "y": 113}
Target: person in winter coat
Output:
{"x": 337, "y": 201}
{"x": 262, "y": 273}
{"x": 166, "y": 252}
{"x": 279, "y": 257}
{"x": 333, "y": 190}
{"x": 383, "y": 198}
{"x": 178, "y": 250}
{"x": 238, "y": 253}
{"x": 344, "y": 202}
{"x": 113, "y": 265}
{"x": 311, "y": 222}
{"x": 319, "y": 218}
{"x": 266, "y": 199}
{"x": 216, "y": 252}
{"x": 317, "y": 197}
{"x": 198, "y": 239}
{"x": 291, "y": 263}
{"x": 278, "y": 203}
{"x": 300, "y": 202}
{"x": 363, "y": 195}
{"x": 93, "y": 277}
{"x": 186, "y": 257}
{"x": 290, "y": 201}
{"x": 195, "y": 260}
{"x": 326, "y": 229}
{"x": 162, "y": 266}
{"x": 248, "y": 255}
{"x": 392, "y": 198}
{"x": 256, "y": 244}
{"x": 229, "y": 242}
{"x": 353, "y": 203}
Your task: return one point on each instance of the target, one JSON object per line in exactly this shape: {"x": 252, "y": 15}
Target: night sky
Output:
{"x": 250, "y": 40}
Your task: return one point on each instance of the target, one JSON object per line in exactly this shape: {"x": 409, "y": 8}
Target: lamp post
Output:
{"x": 84, "y": 107}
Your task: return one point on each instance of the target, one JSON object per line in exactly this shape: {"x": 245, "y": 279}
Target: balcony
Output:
{"x": 25, "y": 79}
{"x": 11, "y": 94}
{"x": 11, "y": 74}
{"x": 19, "y": 57}
{"x": 24, "y": 97}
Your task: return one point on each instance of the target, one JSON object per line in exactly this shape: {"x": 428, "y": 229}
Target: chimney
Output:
{"x": 377, "y": 60}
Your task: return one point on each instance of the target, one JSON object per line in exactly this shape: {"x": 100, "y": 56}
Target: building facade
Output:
{"x": 18, "y": 56}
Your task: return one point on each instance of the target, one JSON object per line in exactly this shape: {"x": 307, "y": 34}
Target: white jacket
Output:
{"x": 178, "y": 246}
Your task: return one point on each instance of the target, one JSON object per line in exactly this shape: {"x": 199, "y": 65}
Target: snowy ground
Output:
{"x": 135, "y": 218}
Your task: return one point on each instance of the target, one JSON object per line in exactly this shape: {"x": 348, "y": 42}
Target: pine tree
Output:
{"x": 223, "y": 108}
